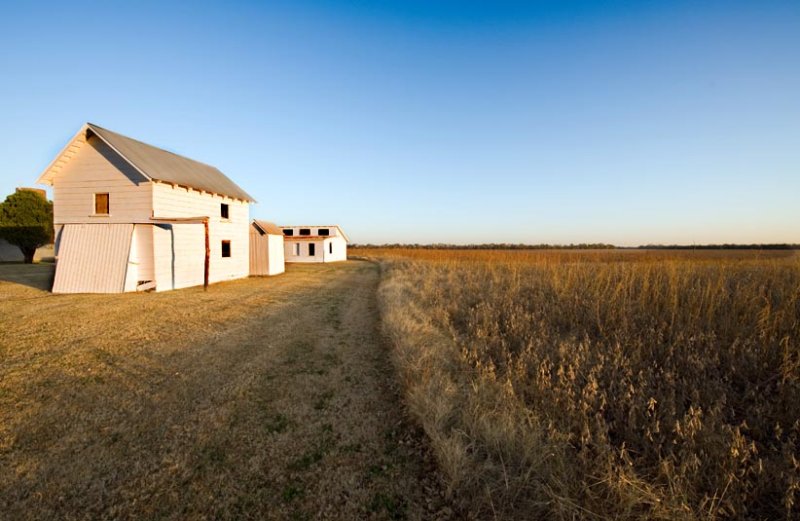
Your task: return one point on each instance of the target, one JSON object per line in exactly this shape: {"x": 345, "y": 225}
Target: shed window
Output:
{"x": 311, "y": 249}
{"x": 323, "y": 231}
{"x": 305, "y": 231}
{"x": 101, "y": 204}
{"x": 224, "y": 211}
{"x": 226, "y": 248}
{"x": 297, "y": 249}
{"x": 330, "y": 247}
{"x": 288, "y": 233}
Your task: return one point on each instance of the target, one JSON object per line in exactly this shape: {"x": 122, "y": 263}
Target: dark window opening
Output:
{"x": 226, "y": 248}
{"x": 224, "y": 211}
{"x": 311, "y": 249}
{"x": 288, "y": 233}
{"x": 305, "y": 231}
{"x": 324, "y": 232}
{"x": 330, "y": 247}
{"x": 101, "y": 204}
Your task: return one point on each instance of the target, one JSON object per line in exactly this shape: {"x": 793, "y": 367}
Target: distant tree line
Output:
{"x": 781, "y": 246}
{"x": 493, "y": 246}
{"x": 581, "y": 246}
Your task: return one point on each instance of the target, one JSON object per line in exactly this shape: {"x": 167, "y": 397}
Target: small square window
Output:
{"x": 305, "y": 231}
{"x": 311, "y": 249}
{"x": 226, "y": 248}
{"x": 101, "y": 204}
{"x": 288, "y": 233}
{"x": 224, "y": 211}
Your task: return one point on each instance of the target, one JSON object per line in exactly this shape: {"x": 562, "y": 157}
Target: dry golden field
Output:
{"x": 263, "y": 398}
{"x": 603, "y": 384}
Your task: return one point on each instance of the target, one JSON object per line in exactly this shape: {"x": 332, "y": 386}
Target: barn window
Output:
{"x": 288, "y": 233}
{"x": 305, "y": 231}
{"x": 311, "y": 248}
{"x": 224, "y": 211}
{"x": 226, "y": 248}
{"x": 297, "y": 249}
{"x": 330, "y": 247}
{"x": 323, "y": 231}
{"x": 101, "y": 204}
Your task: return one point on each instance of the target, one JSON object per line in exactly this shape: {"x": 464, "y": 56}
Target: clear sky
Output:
{"x": 437, "y": 121}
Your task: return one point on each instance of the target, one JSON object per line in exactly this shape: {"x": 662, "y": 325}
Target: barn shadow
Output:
{"x": 38, "y": 276}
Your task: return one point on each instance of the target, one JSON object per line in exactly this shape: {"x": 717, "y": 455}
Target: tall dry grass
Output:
{"x": 604, "y": 385}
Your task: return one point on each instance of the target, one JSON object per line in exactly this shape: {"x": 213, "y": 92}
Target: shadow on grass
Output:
{"x": 37, "y": 276}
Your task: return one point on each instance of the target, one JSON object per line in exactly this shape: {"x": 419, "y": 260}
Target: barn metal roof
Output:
{"x": 268, "y": 227}
{"x": 158, "y": 165}
{"x": 162, "y": 165}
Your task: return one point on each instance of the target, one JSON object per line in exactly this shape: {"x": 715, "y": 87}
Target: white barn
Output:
{"x": 129, "y": 216}
{"x": 266, "y": 249}
{"x": 314, "y": 243}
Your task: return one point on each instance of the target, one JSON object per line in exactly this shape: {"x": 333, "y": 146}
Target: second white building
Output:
{"x": 314, "y": 243}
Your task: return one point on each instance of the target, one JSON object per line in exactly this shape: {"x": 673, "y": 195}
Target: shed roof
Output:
{"x": 160, "y": 165}
{"x": 267, "y": 227}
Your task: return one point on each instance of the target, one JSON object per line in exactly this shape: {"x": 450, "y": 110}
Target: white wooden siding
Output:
{"x": 93, "y": 258}
{"x": 172, "y": 201}
{"x": 178, "y": 255}
{"x": 92, "y": 167}
{"x": 266, "y": 253}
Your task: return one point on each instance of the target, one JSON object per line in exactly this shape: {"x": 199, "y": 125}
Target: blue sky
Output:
{"x": 437, "y": 121}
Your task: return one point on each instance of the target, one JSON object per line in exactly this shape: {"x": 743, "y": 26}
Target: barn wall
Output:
{"x": 266, "y": 253}
{"x": 259, "y": 248}
{"x": 140, "y": 262}
{"x": 93, "y": 258}
{"x": 90, "y": 167}
{"x": 171, "y": 201}
{"x": 339, "y": 249}
{"x": 178, "y": 255}
{"x": 276, "y": 260}
{"x": 289, "y": 255}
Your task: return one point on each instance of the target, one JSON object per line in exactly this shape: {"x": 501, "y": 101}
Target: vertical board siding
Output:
{"x": 172, "y": 201}
{"x": 94, "y": 167}
{"x": 266, "y": 253}
{"x": 93, "y": 258}
{"x": 178, "y": 255}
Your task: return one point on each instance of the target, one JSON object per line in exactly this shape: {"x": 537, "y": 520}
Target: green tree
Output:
{"x": 26, "y": 221}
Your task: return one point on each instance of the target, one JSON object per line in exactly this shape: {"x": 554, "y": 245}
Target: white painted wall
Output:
{"x": 276, "y": 258}
{"x": 140, "y": 262}
{"x": 171, "y": 201}
{"x": 95, "y": 168}
{"x": 289, "y": 249}
{"x": 335, "y": 249}
{"x": 178, "y": 255}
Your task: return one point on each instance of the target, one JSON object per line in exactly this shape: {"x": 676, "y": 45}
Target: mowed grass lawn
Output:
{"x": 264, "y": 398}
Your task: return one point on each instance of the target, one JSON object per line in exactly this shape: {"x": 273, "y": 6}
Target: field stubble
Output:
{"x": 604, "y": 385}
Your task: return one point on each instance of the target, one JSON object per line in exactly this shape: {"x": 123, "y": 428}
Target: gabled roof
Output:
{"x": 286, "y": 227}
{"x": 159, "y": 165}
{"x": 267, "y": 227}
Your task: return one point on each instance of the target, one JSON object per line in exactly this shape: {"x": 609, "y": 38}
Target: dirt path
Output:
{"x": 261, "y": 399}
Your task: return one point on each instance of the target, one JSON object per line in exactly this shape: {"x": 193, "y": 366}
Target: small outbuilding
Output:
{"x": 314, "y": 243}
{"x": 266, "y": 249}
